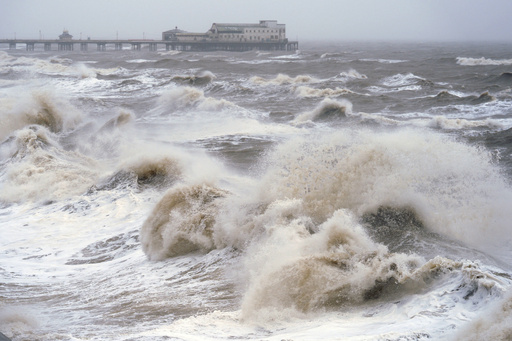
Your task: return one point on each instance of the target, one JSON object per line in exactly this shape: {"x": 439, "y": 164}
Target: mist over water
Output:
{"x": 356, "y": 192}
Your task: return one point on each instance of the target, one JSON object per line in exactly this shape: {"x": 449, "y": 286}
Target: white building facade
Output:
{"x": 266, "y": 31}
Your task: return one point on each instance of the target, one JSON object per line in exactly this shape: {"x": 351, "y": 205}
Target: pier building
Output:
{"x": 265, "y": 35}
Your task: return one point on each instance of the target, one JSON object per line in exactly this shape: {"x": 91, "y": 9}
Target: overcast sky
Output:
{"x": 306, "y": 20}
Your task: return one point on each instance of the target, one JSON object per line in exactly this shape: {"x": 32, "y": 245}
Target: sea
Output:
{"x": 343, "y": 191}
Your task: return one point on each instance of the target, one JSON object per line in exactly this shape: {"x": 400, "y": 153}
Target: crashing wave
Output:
{"x": 202, "y": 78}
{"x": 337, "y": 265}
{"x": 461, "y": 123}
{"x": 282, "y": 79}
{"x": 401, "y": 80}
{"x": 307, "y": 92}
{"x": 456, "y": 189}
{"x": 182, "y": 222}
{"x": 327, "y": 109}
{"x": 182, "y": 98}
{"x": 482, "y": 61}
{"x": 40, "y": 170}
{"x": 42, "y": 108}
{"x": 351, "y": 74}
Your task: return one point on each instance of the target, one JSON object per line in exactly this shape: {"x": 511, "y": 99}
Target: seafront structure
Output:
{"x": 265, "y": 35}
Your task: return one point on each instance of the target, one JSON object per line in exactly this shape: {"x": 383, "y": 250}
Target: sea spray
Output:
{"x": 455, "y": 188}
{"x": 40, "y": 107}
{"x": 183, "y": 98}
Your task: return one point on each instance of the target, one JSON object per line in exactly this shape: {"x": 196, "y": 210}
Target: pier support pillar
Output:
{"x": 118, "y": 46}
{"x": 136, "y": 46}
{"x": 30, "y": 46}
{"x": 83, "y": 46}
{"x": 47, "y": 46}
{"x": 12, "y": 46}
{"x": 65, "y": 46}
{"x": 153, "y": 46}
{"x": 102, "y": 47}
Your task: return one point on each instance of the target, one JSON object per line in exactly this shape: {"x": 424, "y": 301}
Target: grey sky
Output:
{"x": 417, "y": 20}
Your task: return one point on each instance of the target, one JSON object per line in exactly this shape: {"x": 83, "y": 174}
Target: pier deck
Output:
{"x": 152, "y": 45}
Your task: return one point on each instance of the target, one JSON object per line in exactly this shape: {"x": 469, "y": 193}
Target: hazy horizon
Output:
{"x": 366, "y": 20}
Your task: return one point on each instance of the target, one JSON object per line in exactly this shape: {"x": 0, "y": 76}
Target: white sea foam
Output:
{"x": 331, "y": 55}
{"x": 40, "y": 170}
{"x": 482, "y": 61}
{"x": 385, "y": 61}
{"x": 326, "y": 109}
{"x": 463, "y": 199}
{"x": 321, "y": 186}
{"x": 401, "y": 80}
{"x": 495, "y": 323}
{"x": 460, "y": 123}
{"x": 281, "y": 79}
{"x": 182, "y": 222}
{"x": 305, "y": 91}
{"x": 182, "y": 98}
{"x": 169, "y": 53}
{"x": 138, "y": 61}
{"x": 351, "y": 74}
{"x": 42, "y": 107}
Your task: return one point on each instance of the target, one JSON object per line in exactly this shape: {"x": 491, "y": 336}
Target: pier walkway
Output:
{"x": 152, "y": 45}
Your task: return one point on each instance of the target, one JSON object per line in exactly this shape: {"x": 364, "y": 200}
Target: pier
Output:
{"x": 151, "y": 45}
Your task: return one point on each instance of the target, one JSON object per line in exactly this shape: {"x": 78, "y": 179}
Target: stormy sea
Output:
{"x": 344, "y": 191}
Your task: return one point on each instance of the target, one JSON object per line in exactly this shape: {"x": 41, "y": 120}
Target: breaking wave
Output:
{"x": 327, "y": 109}
{"x": 40, "y": 170}
{"x": 182, "y": 98}
{"x": 181, "y": 222}
{"x": 400, "y": 80}
{"x": 455, "y": 189}
{"x": 461, "y": 123}
{"x": 385, "y": 61}
{"x": 331, "y": 55}
{"x": 482, "y": 61}
{"x": 202, "y": 78}
{"x": 351, "y": 74}
{"x": 40, "y": 107}
{"x": 338, "y": 265}
{"x": 282, "y": 79}
{"x": 305, "y": 91}
{"x": 453, "y": 98}
{"x": 304, "y": 248}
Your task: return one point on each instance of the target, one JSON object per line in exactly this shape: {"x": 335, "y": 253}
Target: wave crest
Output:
{"x": 182, "y": 98}
{"x": 202, "y": 78}
{"x": 182, "y": 222}
{"x": 40, "y": 170}
{"x": 328, "y": 108}
{"x": 351, "y": 74}
{"x": 282, "y": 79}
{"x": 455, "y": 188}
{"x": 41, "y": 108}
{"x": 482, "y": 61}
{"x": 400, "y": 80}
{"x": 336, "y": 266}
{"x": 305, "y": 91}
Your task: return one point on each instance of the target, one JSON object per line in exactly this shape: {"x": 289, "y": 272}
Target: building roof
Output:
{"x": 175, "y": 30}
{"x": 231, "y": 28}
{"x": 65, "y": 35}
{"x": 239, "y": 28}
